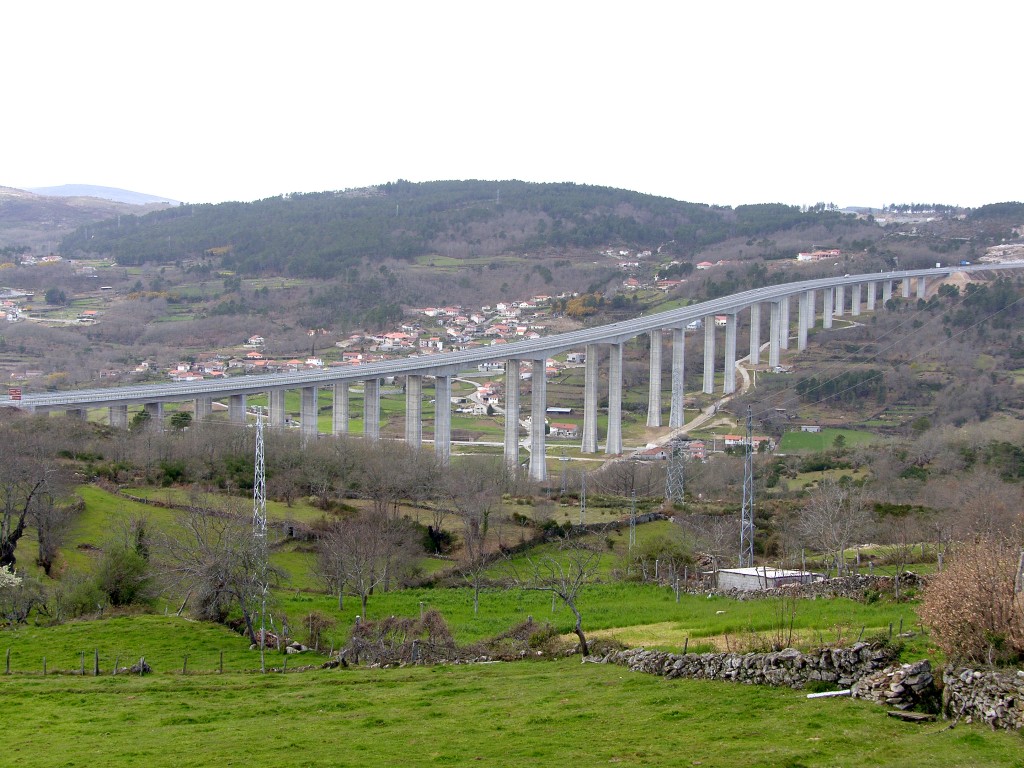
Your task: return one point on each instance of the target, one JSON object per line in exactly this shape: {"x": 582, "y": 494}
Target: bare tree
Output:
{"x": 474, "y": 489}
{"x": 564, "y": 573}
{"x": 30, "y": 481}
{"x": 216, "y": 558}
{"x": 363, "y": 552}
{"x": 834, "y": 515}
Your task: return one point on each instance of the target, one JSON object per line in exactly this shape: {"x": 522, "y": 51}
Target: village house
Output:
{"x": 560, "y": 429}
{"x": 738, "y": 441}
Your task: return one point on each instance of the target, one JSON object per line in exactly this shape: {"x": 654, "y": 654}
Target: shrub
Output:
{"x": 123, "y": 576}
{"x": 972, "y": 608}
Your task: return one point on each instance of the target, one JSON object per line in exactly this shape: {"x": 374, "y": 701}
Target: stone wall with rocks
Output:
{"x": 903, "y": 686}
{"x": 996, "y": 698}
{"x": 853, "y": 587}
{"x": 789, "y": 667}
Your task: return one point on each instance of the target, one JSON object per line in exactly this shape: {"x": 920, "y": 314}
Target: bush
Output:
{"x": 123, "y": 576}
{"x": 972, "y": 608}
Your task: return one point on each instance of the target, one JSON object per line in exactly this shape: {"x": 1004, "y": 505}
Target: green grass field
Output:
{"x": 529, "y": 713}
{"x": 795, "y": 442}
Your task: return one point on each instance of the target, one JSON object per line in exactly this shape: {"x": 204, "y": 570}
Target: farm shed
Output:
{"x": 751, "y": 579}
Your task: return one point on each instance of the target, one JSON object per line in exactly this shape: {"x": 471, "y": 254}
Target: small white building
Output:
{"x": 752, "y": 579}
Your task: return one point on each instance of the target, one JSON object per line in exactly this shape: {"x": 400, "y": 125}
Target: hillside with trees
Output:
{"x": 321, "y": 234}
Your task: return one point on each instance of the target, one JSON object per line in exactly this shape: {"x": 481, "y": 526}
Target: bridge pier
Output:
{"x": 775, "y": 331}
{"x": 308, "y": 412}
{"x": 784, "y": 322}
{"x": 371, "y": 408}
{"x": 922, "y": 287}
{"x": 812, "y": 312}
{"x": 118, "y": 416}
{"x": 414, "y": 410}
{"x": 677, "y": 417}
{"x": 277, "y": 414}
{"x": 512, "y": 414}
{"x": 443, "y": 419}
{"x": 829, "y": 308}
{"x": 236, "y": 409}
{"x": 613, "y": 441}
{"x": 755, "y": 333}
{"x": 590, "y": 381}
{"x": 872, "y": 295}
{"x": 803, "y": 303}
{"x": 730, "y": 355}
{"x": 840, "y": 300}
{"x": 156, "y": 415}
{"x": 202, "y": 408}
{"x": 538, "y": 409}
{"x": 886, "y": 291}
{"x": 709, "y": 355}
{"x": 654, "y": 383}
{"x": 855, "y": 301}
{"x": 905, "y": 287}
{"x": 340, "y": 409}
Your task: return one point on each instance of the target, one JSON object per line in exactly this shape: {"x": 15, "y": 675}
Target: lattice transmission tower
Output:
{"x": 259, "y": 531}
{"x": 675, "y": 480}
{"x": 747, "y": 513}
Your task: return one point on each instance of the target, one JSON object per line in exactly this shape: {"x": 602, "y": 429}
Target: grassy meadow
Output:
{"x": 528, "y": 713}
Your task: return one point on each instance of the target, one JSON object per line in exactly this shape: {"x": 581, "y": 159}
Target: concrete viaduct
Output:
{"x": 833, "y": 296}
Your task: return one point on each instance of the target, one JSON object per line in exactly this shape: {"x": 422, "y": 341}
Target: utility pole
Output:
{"x": 632, "y": 520}
{"x": 747, "y": 513}
{"x": 583, "y": 496}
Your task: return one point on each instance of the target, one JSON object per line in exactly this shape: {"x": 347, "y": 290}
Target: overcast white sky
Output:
{"x": 736, "y": 102}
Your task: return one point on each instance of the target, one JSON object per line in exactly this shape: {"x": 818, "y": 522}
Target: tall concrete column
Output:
{"x": 709, "y": 355}
{"x": 922, "y": 287}
{"x": 613, "y": 443}
{"x": 277, "y": 414}
{"x": 801, "y": 325}
{"x": 414, "y": 410}
{"x": 872, "y": 294}
{"x": 512, "y": 413}
{"x": 590, "y": 399}
{"x": 855, "y": 301}
{"x": 538, "y": 407}
{"x": 755, "y": 334}
{"x": 654, "y": 385}
{"x": 886, "y": 291}
{"x": 826, "y": 319}
{"x": 730, "y": 355}
{"x": 371, "y": 408}
{"x": 156, "y": 415}
{"x": 119, "y": 416}
{"x": 840, "y": 300}
{"x": 784, "y": 322}
{"x": 905, "y": 287}
{"x": 677, "y": 417}
{"x": 236, "y": 409}
{"x": 309, "y": 411}
{"x": 339, "y": 410}
{"x": 774, "y": 332}
{"x": 443, "y": 419}
{"x": 812, "y": 312}
{"x": 202, "y": 408}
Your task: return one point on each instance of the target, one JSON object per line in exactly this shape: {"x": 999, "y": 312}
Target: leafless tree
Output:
{"x": 564, "y": 572}
{"x": 474, "y": 489}
{"x": 363, "y": 552}
{"x": 31, "y": 481}
{"x": 215, "y": 558}
{"x": 833, "y": 517}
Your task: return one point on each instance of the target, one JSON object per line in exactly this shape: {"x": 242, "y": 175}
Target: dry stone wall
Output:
{"x": 788, "y": 667}
{"x": 996, "y": 698}
{"x": 903, "y": 686}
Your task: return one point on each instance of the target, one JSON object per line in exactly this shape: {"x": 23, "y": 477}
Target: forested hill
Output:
{"x": 320, "y": 234}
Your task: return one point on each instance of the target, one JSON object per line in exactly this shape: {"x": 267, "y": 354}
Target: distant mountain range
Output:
{"x": 103, "y": 193}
